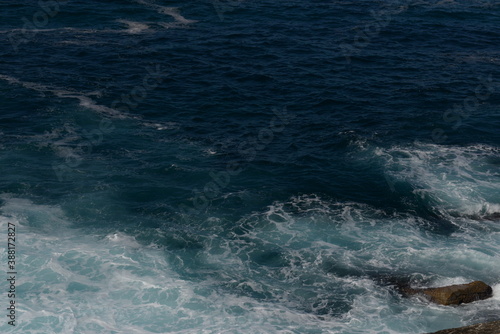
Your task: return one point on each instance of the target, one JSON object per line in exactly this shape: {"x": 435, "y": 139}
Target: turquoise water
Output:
{"x": 248, "y": 167}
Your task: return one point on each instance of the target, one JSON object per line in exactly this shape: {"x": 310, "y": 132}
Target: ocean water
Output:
{"x": 248, "y": 166}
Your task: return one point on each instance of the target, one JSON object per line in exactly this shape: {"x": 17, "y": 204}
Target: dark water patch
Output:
{"x": 269, "y": 258}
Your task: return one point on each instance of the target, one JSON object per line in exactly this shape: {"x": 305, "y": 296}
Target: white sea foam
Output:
{"x": 496, "y": 292}
{"x": 48, "y": 30}
{"x": 87, "y": 102}
{"x": 162, "y": 125}
{"x": 81, "y": 42}
{"x": 101, "y": 280}
{"x": 459, "y": 181}
{"x": 83, "y": 98}
{"x": 173, "y": 12}
{"x": 135, "y": 27}
{"x": 78, "y": 282}
{"x": 132, "y": 28}
{"x": 361, "y": 242}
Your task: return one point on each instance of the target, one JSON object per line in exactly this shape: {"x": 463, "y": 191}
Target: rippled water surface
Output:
{"x": 248, "y": 166}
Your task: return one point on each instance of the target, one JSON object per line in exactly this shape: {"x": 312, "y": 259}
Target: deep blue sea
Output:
{"x": 247, "y": 166}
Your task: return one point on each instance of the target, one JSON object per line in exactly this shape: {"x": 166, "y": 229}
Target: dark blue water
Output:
{"x": 249, "y": 166}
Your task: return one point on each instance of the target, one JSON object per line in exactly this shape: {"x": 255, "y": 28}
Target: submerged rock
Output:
{"x": 453, "y": 294}
{"x": 484, "y": 328}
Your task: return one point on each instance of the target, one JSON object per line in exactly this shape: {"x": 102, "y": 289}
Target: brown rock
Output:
{"x": 484, "y": 328}
{"x": 454, "y": 294}
{"x": 460, "y": 293}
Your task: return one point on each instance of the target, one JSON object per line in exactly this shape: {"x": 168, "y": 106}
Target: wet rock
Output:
{"x": 453, "y": 294}
{"x": 484, "y": 328}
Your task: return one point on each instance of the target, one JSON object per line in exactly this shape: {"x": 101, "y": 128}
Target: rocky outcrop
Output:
{"x": 453, "y": 294}
{"x": 484, "y": 328}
